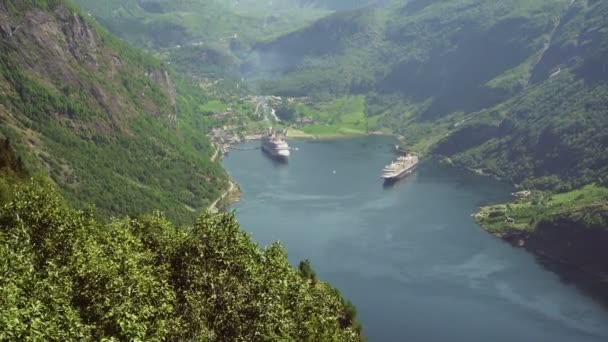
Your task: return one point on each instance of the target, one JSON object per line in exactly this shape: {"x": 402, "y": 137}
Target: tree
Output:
{"x": 286, "y": 111}
{"x": 65, "y": 276}
{"x": 306, "y": 271}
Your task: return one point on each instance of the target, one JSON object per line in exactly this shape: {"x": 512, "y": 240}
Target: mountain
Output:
{"x": 554, "y": 133}
{"x": 110, "y": 124}
{"x": 338, "y": 5}
{"x": 478, "y": 81}
{"x": 422, "y": 52}
{"x": 513, "y": 89}
{"x": 112, "y": 127}
{"x": 201, "y": 37}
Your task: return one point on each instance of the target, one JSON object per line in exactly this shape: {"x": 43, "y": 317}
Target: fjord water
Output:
{"x": 410, "y": 256}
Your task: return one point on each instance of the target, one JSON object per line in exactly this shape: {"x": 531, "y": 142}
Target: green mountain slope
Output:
{"x": 204, "y": 37}
{"x": 514, "y": 89}
{"x": 106, "y": 121}
{"x": 553, "y": 137}
{"x": 111, "y": 128}
{"x": 500, "y": 70}
{"x": 570, "y": 228}
{"x": 12, "y": 170}
{"x": 332, "y": 57}
{"x": 67, "y": 277}
{"x": 554, "y": 134}
{"x": 440, "y": 52}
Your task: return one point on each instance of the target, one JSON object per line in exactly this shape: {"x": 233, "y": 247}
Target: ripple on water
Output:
{"x": 409, "y": 256}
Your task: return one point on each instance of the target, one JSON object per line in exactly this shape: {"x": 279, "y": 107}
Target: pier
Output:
{"x": 244, "y": 148}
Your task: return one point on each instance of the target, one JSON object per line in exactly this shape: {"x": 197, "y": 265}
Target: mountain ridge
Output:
{"x": 456, "y": 65}
{"x": 72, "y": 96}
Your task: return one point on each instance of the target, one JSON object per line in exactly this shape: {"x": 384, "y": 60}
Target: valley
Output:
{"x": 130, "y": 118}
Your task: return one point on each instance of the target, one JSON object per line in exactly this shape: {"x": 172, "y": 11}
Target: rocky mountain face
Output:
{"x": 100, "y": 117}
{"x": 61, "y": 47}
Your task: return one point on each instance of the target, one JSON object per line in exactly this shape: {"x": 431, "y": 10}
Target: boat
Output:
{"x": 275, "y": 146}
{"x": 397, "y": 169}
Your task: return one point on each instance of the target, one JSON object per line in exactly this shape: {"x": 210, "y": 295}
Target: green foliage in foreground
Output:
{"x": 587, "y": 206}
{"x": 64, "y": 276}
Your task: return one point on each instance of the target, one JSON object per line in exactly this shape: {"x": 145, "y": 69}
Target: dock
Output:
{"x": 244, "y": 148}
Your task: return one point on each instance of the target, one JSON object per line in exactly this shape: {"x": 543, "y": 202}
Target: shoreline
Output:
{"x": 296, "y": 134}
{"x": 521, "y": 239}
{"x": 479, "y": 172}
{"x": 301, "y": 135}
{"x": 230, "y": 196}
{"x": 234, "y": 194}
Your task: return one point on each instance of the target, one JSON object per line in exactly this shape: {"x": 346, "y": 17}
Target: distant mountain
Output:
{"x": 339, "y": 5}
{"x": 421, "y": 52}
{"x": 518, "y": 87}
{"x": 514, "y": 89}
{"x": 106, "y": 121}
{"x": 201, "y": 37}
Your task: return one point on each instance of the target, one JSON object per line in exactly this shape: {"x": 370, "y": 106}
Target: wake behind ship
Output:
{"x": 399, "y": 168}
{"x": 275, "y": 146}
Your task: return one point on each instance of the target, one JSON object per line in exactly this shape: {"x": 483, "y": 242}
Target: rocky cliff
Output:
{"x": 99, "y": 116}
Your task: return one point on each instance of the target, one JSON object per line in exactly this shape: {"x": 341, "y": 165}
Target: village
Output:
{"x": 242, "y": 127}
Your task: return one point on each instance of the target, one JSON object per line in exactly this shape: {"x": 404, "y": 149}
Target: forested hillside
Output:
{"x": 554, "y": 133}
{"x": 65, "y": 276}
{"x": 421, "y": 50}
{"x": 201, "y": 37}
{"x": 108, "y": 122}
{"x": 513, "y": 89}
{"x": 109, "y": 125}
{"x": 12, "y": 170}
{"x": 339, "y": 5}
{"x": 518, "y": 87}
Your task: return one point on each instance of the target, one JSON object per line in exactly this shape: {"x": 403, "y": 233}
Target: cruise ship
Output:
{"x": 399, "y": 168}
{"x": 274, "y": 145}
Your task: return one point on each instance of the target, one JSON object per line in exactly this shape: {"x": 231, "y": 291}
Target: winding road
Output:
{"x": 214, "y": 156}
{"x": 213, "y": 207}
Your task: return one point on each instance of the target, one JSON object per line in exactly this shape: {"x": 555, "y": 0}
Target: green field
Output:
{"x": 345, "y": 116}
{"x": 213, "y": 106}
{"x": 539, "y": 207}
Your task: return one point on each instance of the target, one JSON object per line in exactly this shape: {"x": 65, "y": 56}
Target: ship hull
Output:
{"x": 276, "y": 155}
{"x": 399, "y": 176}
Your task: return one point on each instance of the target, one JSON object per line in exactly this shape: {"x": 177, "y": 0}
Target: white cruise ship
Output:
{"x": 274, "y": 145}
{"x": 399, "y": 168}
